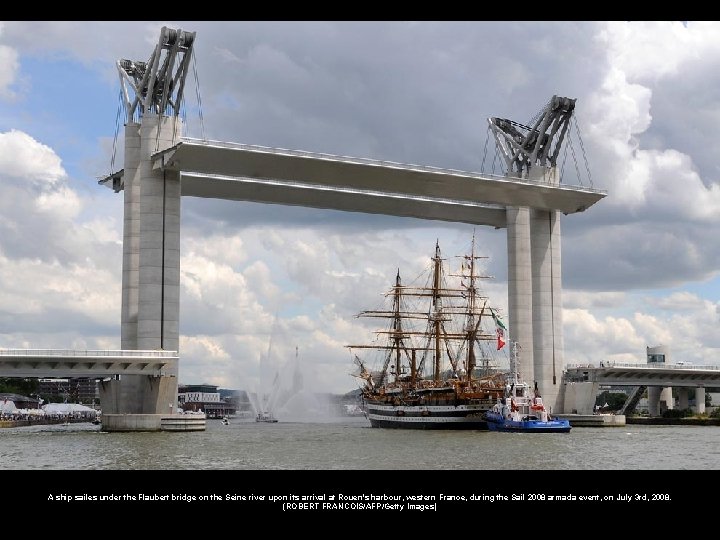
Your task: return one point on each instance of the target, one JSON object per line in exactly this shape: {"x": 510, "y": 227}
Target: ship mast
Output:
{"x": 472, "y": 332}
{"x": 397, "y": 333}
{"x": 443, "y": 328}
{"x": 471, "y": 327}
{"x": 436, "y": 310}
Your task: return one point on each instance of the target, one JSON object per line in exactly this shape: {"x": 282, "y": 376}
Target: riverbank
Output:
{"x": 42, "y": 422}
{"x": 657, "y": 421}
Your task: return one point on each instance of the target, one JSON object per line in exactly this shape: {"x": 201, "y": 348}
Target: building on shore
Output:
{"x": 76, "y": 390}
{"x": 214, "y": 402}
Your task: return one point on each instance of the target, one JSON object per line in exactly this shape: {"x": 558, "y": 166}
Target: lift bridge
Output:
{"x": 581, "y": 383}
{"x": 160, "y": 166}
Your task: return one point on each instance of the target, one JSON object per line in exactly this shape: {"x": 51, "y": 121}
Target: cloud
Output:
{"x": 651, "y": 50}
{"x": 58, "y": 281}
{"x": 647, "y": 109}
{"x": 24, "y": 158}
{"x": 8, "y": 68}
{"x": 8, "y": 71}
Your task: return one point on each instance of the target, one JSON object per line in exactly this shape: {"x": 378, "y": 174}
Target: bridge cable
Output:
{"x": 538, "y": 114}
{"x": 121, "y": 106}
{"x": 183, "y": 113}
{"x": 494, "y": 158}
{"x": 487, "y": 137}
{"x": 572, "y": 152}
{"x": 582, "y": 146}
{"x": 199, "y": 99}
{"x": 562, "y": 167}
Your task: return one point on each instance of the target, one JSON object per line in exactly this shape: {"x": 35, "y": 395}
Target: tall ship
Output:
{"x": 438, "y": 358}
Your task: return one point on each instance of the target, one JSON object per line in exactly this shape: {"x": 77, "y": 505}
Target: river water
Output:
{"x": 351, "y": 444}
{"x": 347, "y": 455}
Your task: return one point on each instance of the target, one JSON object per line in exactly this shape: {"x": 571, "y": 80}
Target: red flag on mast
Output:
{"x": 500, "y": 338}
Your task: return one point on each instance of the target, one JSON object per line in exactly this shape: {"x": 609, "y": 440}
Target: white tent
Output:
{"x": 66, "y": 408}
{"x": 7, "y": 406}
{"x": 31, "y": 412}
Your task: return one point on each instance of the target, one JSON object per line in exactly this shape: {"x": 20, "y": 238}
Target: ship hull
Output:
{"x": 496, "y": 422}
{"x": 450, "y": 417}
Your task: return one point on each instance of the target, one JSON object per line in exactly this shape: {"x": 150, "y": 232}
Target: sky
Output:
{"x": 639, "y": 268}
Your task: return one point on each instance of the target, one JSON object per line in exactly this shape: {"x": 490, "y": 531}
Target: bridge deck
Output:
{"x": 60, "y": 363}
{"x": 626, "y": 374}
{"x": 274, "y": 175}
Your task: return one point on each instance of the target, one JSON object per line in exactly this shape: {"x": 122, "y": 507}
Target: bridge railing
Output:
{"x": 368, "y": 161}
{"x": 87, "y": 363}
{"x": 67, "y": 353}
{"x": 611, "y": 364}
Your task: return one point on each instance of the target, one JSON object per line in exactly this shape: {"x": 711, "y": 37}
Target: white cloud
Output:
{"x": 419, "y": 93}
{"x": 9, "y": 67}
{"x": 586, "y": 300}
{"x": 64, "y": 203}
{"x": 649, "y": 50}
{"x": 677, "y": 191}
{"x": 678, "y": 301}
{"x": 58, "y": 282}
{"x": 21, "y": 156}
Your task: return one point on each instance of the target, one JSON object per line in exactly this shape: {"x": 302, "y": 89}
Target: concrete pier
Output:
{"x": 520, "y": 287}
{"x": 535, "y": 296}
{"x": 151, "y": 275}
{"x": 595, "y": 420}
{"x": 547, "y": 304}
{"x": 153, "y": 422}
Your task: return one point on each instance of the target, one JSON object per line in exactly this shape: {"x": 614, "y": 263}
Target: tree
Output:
{"x": 614, "y": 400}
{"x": 14, "y": 385}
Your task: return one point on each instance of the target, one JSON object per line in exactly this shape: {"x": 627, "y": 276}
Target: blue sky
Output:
{"x": 640, "y": 268}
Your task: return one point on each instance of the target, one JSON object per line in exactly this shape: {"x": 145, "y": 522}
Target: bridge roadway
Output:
{"x": 234, "y": 171}
{"x": 99, "y": 364}
{"x": 629, "y": 374}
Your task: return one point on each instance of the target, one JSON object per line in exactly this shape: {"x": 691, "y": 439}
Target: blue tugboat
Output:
{"x": 521, "y": 410}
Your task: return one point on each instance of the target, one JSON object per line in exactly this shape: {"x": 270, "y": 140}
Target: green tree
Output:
{"x": 614, "y": 400}
{"x": 14, "y": 385}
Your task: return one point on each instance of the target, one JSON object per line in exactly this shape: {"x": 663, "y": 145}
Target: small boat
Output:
{"x": 225, "y": 420}
{"x": 521, "y": 410}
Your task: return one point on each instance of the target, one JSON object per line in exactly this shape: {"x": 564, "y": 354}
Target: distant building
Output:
{"x": 73, "y": 390}
{"x": 207, "y": 398}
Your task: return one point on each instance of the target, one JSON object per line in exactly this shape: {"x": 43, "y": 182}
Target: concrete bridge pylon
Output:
{"x": 151, "y": 268}
{"x": 150, "y": 310}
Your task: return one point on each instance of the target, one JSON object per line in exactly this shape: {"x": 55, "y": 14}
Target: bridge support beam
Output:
{"x": 659, "y": 400}
{"x": 138, "y": 394}
{"x": 520, "y": 315}
{"x": 151, "y": 267}
{"x": 535, "y": 294}
{"x": 683, "y": 401}
{"x": 159, "y": 257}
{"x": 578, "y": 398}
{"x": 547, "y": 304}
{"x": 700, "y": 400}
{"x": 131, "y": 238}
